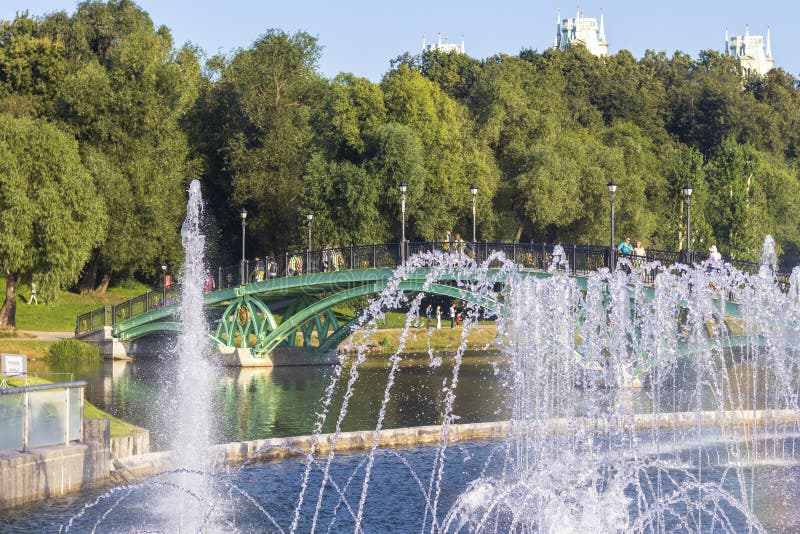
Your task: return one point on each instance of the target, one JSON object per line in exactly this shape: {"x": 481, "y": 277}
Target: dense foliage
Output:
{"x": 540, "y": 133}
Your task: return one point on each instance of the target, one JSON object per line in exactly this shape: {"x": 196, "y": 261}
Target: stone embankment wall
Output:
{"x": 233, "y": 454}
{"x": 49, "y": 472}
{"x": 123, "y": 447}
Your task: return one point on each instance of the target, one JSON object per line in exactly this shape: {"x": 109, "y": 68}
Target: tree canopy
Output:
{"x": 539, "y": 133}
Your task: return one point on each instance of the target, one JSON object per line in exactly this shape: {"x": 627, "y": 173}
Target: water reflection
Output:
{"x": 256, "y": 403}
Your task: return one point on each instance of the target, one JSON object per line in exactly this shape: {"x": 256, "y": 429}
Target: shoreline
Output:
{"x": 236, "y": 454}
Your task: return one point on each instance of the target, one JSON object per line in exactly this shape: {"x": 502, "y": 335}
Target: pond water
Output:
{"x": 259, "y": 403}
{"x": 262, "y": 498}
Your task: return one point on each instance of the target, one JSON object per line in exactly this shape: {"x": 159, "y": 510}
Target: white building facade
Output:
{"x": 581, "y": 30}
{"x": 443, "y": 46}
{"x": 753, "y": 54}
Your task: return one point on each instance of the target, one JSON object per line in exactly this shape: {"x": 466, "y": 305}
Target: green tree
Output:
{"x": 453, "y": 158}
{"x": 737, "y": 211}
{"x": 268, "y": 95}
{"x": 124, "y": 101}
{"x": 50, "y": 213}
{"x": 350, "y": 118}
{"x": 32, "y": 64}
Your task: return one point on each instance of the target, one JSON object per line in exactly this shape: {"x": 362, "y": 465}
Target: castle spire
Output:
{"x": 727, "y": 42}
{"x": 462, "y": 44}
{"x": 440, "y": 39}
{"x": 558, "y": 29}
{"x": 423, "y": 42}
{"x": 769, "y": 45}
{"x": 602, "y": 35}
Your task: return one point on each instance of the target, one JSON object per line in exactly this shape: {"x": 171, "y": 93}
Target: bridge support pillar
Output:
{"x": 113, "y": 349}
{"x": 279, "y": 357}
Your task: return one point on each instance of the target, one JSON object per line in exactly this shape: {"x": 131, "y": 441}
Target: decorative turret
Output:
{"x": 769, "y": 44}
{"x": 727, "y": 41}
{"x": 583, "y": 31}
{"x": 558, "y": 30}
{"x": 602, "y": 33}
{"x": 753, "y": 55}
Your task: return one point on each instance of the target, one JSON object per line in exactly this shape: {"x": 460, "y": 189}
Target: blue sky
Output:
{"x": 361, "y": 36}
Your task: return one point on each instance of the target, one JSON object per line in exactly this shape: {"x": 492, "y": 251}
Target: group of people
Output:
{"x": 264, "y": 268}
{"x": 455, "y": 316}
{"x": 454, "y": 243}
{"x": 330, "y": 259}
{"x": 627, "y": 249}
{"x": 638, "y": 252}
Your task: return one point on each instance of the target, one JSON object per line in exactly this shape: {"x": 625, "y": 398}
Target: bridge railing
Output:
{"x": 580, "y": 258}
{"x": 139, "y": 305}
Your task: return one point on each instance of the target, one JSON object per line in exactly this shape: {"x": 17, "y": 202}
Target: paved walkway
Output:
{"x": 46, "y": 336}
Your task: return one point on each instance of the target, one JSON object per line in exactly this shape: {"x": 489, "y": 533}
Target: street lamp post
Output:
{"x": 242, "y": 273}
{"x": 164, "y": 284}
{"x": 612, "y": 189}
{"x": 309, "y": 218}
{"x": 474, "y": 190}
{"x": 687, "y": 191}
{"x": 403, "y": 188}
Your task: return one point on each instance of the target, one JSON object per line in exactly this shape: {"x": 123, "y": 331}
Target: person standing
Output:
{"x": 713, "y": 254}
{"x": 448, "y": 241}
{"x": 460, "y": 244}
{"x": 452, "y": 315}
{"x": 625, "y": 247}
{"x": 209, "y": 284}
{"x": 33, "y": 294}
{"x": 640, "y": 254}
{"x": 428, "y": 314}
{"x": 438, "y": 317}
{"x": 326, "y": 257}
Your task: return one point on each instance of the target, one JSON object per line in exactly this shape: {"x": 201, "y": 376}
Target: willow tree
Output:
{"x": 50, "y": 214}
{"x": 124, "y": 98}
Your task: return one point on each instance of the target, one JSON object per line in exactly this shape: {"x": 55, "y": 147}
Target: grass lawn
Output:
{"x": 33, "y": 349}
{"x": 59, "y": 316}
{"x": 419, "y": 340}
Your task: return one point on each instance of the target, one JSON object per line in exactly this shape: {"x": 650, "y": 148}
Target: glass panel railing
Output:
{"x": 47, "y": 414}
{"x": 75, "y": 432}
{"x": 12, "y": 421}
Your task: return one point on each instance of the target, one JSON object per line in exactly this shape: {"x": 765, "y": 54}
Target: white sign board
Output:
{"x": 13, "y": 364}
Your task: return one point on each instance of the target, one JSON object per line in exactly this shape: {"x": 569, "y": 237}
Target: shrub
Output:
{"x": 69, "y": 352}
{"x": 388, "y": 344}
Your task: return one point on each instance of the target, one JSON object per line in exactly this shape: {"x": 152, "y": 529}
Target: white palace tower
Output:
{"x": 754, "y": 57}
{"x": 583, "y": 31}
{"x": 443, "y": 46}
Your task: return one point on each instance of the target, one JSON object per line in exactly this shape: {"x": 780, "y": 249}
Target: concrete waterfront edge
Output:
{"x": 262, "y": 450}
{"x": 49, "y": 472}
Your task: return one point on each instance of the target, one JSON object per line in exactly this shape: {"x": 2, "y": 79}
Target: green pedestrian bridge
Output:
{"x": 290, "y": 300}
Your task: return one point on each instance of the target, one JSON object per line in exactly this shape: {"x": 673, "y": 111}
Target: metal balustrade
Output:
{"x": 581, "y": 259}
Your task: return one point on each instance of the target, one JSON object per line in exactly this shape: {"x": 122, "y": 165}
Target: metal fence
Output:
{"x": 41, "y": 415}
{"x": 110, "y": 314}
{"x": 580, "y": 258}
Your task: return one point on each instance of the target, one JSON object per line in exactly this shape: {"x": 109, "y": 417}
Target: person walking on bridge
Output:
{"x": 460, "y": 244}
{"x": 209, "y": 284}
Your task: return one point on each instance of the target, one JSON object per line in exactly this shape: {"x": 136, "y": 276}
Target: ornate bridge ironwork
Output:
{"x": 290, "y": 299}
